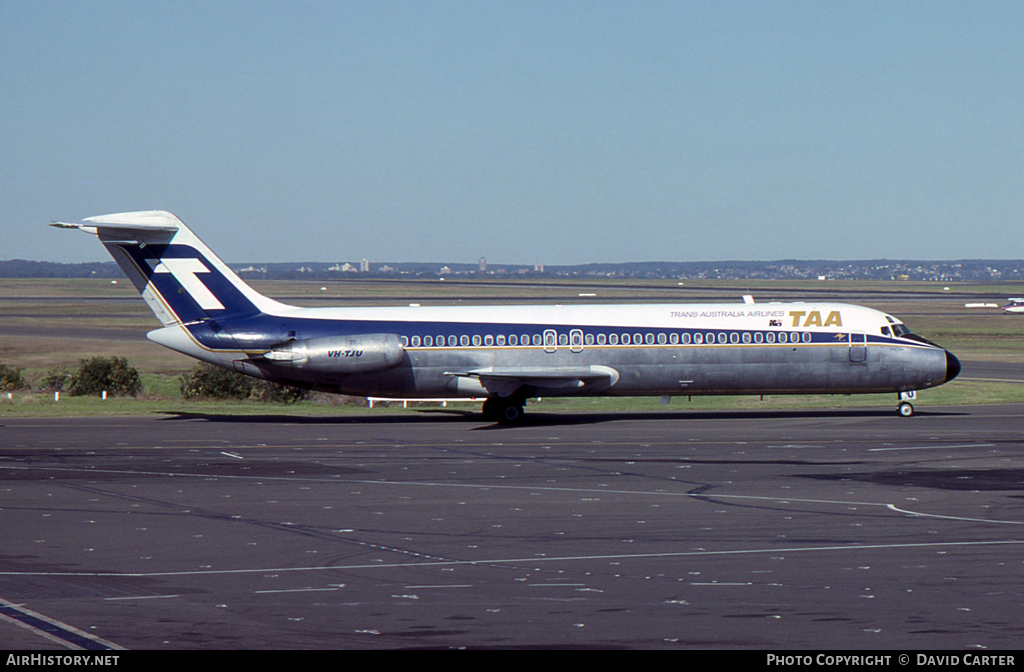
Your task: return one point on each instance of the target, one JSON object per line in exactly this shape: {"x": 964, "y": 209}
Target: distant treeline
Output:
{"x": 19, "y": 268}
{"x": 878, "y": 269}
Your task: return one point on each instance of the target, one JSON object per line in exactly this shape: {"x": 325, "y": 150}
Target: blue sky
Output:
{"x": 555, "y": 132}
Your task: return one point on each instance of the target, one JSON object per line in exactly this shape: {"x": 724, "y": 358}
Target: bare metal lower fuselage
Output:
{"x": 660, "y": 370}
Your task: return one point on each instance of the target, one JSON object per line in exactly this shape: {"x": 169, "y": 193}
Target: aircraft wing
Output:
{"x": 503, "y": 381}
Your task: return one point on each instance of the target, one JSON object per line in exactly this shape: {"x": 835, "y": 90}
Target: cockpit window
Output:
{"x": 900, "y": 330}
{"x": 885, "y": 331}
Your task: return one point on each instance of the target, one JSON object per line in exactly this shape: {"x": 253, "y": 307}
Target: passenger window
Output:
{"x": 601, "y": 339}
{"x": 613, "y": 339}
{"x": 513, "y": 339}
{"x": 576, "y": 340}
{"x": 673, "y": 338}
{"x": 500, "y": 339}
{"x": 453, "y": 340}
{"x": 758, "y": 337}
{"x": 686, "y": 338}
{"x": 488, "y": 340}
{"x": 698, "y": 338}
{"x": 734, "y": 337}
{"x": 415, "y": 341}
{"x": 746, "y": 337}
{"x": 428, "y": 341}
{"x": 625, "y": 339}
{"x": 770, "y": 337}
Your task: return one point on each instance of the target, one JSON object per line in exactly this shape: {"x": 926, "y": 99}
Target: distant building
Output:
{"x": 364, "y": 266}
{"x": 483, "y": 264}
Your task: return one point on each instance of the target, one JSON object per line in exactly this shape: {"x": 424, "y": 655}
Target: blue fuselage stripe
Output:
{"x": 264, "y": 331}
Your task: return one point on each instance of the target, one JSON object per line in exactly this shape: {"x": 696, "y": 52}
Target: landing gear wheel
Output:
{"x": 503, "y": 410}
{"x": 510, "y": 413}
{"x": 905, "y": 409}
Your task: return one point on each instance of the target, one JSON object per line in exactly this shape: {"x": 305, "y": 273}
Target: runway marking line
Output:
{"x": 454, "y": 585}
{"x": 966, "y": 445}
{"x": 52, "y": 629}
{"x": 534, "y": 561}
{"x": 294, "y": 590}
{"x": 893, "y": 507}
{"x": 141, "y": 597}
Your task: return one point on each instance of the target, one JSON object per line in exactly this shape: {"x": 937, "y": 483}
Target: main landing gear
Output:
{"x": 504, "y": 410}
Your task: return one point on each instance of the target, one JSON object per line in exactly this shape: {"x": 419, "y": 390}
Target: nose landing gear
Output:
{"x": 905, "y": 408}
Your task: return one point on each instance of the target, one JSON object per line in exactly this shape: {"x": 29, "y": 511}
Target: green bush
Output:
{"x": 57, "y": 379}
{"x": 206, "y": 381}
{"x": 11, "y": 378}
{"x": 99, "y": 373}
{"x": 264, "y": 390}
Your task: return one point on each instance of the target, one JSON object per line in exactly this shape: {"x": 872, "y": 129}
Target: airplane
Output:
{"x": 509, "y": 354}
{"x": 1015, "y": 305}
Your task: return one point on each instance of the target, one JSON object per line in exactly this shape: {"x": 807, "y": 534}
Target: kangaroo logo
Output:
{"x": 185, "y": 272}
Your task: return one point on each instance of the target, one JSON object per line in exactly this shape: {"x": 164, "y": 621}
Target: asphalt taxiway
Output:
{"x": 852, "y": 529}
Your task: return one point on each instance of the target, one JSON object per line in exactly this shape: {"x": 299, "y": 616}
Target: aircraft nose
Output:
{"x": 952, "y": 366}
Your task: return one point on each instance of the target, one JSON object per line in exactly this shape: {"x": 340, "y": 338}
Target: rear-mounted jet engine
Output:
{"x": 341, "y": 355}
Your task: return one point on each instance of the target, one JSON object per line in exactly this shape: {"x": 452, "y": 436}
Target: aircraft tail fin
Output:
{"x": 180, "y": 278}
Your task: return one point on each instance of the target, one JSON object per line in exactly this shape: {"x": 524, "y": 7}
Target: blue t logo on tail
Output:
{"x": 181, "y": 279}
{"x": 188, "y": 284}
{"x": 184, "y": 271}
